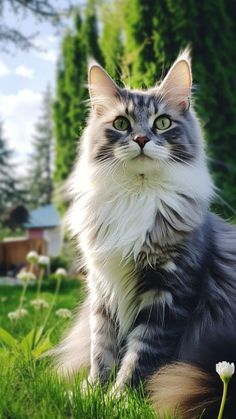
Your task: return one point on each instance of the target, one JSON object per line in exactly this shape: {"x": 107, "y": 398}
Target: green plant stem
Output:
{"x": 25, "y": 286}
{"x": 223, "y": 400}
{"x": 57, "y": 289}
{"x": 39, "y": 284}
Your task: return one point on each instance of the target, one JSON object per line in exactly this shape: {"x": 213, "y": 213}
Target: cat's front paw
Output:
{"x": 117, "y": 393}
{"x": 88, "y": 384}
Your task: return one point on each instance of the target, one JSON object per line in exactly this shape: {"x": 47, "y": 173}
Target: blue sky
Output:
{"x": 24, "y": 76}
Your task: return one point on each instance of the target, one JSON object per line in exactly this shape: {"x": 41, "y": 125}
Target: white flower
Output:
{"x": 64, "y": 312}
{"x": 32, "y": 257}
{"x": 44, "y": 261}
{"x": 20, "y": 312}
{"x": 39, "y": 303}
{"x": 61, "y": 273}
{"x": 12, "y": 315}
{"x": 225, "y": 369}
{"x": 26, "y": 276}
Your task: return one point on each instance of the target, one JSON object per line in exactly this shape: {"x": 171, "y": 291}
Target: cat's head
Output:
{"x": 148, "y": 129}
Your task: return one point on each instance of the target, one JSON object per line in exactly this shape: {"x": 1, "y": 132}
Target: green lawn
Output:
{"x": 28, "y": 386}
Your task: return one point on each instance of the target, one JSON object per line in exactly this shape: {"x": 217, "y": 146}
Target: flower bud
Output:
{"x": 60, "y": 273}
{"x": 225, "y": 370}
{"x": 44, "y": 261}
{"x": 32, "y": 257}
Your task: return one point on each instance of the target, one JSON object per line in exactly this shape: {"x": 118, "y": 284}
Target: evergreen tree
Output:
{"x": 10, "y": 194}
{"x": 40, "y": 176}
{"x": 70, "y": 109}
{"x": 61, "y": 124}
{"x": 111, "y": 43}
{"x": 140, "y": 58}
{"x": 90, "y": 32}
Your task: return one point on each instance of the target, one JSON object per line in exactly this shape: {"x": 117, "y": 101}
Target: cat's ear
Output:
{"x": 102, "y": 88}
{"x": 176, "y": 86}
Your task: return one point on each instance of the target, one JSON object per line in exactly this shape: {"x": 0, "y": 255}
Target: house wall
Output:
{"x": 35, "y": 233}
{"x": 54, "y": 241}
{"x": 13, "y": 251}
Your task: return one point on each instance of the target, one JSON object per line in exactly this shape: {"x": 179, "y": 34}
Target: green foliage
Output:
{"x": 69, "y": 108}
{"x": 32, "y": 345}
{"x": 39, "y": 182}
{"x": 139, "y": 53}
{"x": 110, "y": 41}
{"x": 40, "y": 393}
{"x": 11, "y": 193}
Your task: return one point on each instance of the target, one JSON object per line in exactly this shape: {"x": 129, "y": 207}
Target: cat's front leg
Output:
{"x": 150, "y": 344}
{"x": 103, "y": 344}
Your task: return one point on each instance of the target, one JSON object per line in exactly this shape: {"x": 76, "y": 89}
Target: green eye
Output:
{"x": 162, "y": 122}
{"x": 121, "y": 123}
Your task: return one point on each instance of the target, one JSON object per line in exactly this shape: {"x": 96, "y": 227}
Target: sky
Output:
{"x": 24, "y": 76}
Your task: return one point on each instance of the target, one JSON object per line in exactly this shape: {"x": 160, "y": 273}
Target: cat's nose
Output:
{"x": 141, "y": 141}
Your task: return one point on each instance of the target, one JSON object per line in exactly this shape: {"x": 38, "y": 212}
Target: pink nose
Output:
{"x": 141, "y": 141}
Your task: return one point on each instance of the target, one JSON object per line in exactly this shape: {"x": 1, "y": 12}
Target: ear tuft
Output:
{"x": 101, "y": 86}
{"x": 176, "y": 86}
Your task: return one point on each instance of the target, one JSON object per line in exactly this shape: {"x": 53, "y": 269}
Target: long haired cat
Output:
{"x": 161, "y": 303}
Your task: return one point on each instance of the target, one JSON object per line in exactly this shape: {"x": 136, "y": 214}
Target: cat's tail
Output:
{"x": 73, "y": 352}
{"x": 191, "y": 388}
{"x": 185, "y": 391}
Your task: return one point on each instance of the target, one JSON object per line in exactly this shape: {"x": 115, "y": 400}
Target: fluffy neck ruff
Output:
{"x": 117, "y": 209}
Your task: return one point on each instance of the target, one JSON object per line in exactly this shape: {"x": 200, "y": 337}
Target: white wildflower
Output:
{"x": 64, "y": 312}
{"x": 39, "y": 303}
{"x": 225, "y": 369}
{"x": 61, "y": 273}
{"x": 12, "y": 315}
{"x": 32, "y": 257}
{"x": 26, "y": 276}
{"x": 20, "y": 312}
{"x": 44, "y": 261}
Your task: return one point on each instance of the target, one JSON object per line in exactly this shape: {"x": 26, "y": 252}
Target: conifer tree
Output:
{"x": 110, "y": 41}
{"x": 70, "y": 109}
{"x": 10, "y": 194}
{"x": 40, "y": 176}
{"x": 138, "y": 15}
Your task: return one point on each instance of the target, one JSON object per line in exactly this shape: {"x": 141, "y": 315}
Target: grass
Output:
{"x": 30, "y": 389}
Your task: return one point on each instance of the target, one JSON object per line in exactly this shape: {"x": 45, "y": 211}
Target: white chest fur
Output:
{"x": 116, "y": 233}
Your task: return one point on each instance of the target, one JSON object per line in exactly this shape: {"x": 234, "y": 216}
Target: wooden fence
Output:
{"x": 13, "y": 252}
